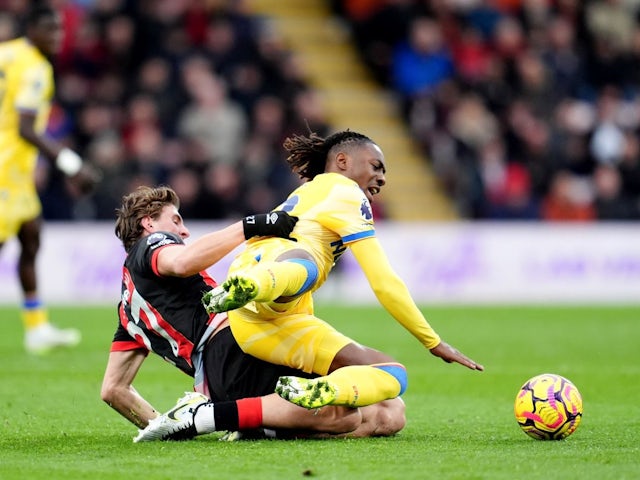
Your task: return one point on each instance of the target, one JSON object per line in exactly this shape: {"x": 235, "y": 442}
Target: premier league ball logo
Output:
{"x": 365, "y": 209}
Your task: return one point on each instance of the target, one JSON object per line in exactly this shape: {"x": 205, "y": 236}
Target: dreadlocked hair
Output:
{"x": 145, "y": 201}
{"x": 308, "y": 155}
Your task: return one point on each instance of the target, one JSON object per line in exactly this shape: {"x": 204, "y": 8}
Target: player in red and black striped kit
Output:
{"x": 162, "y": 313}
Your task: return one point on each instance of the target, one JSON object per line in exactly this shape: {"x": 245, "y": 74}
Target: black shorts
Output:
{"x": 232, "y": 374}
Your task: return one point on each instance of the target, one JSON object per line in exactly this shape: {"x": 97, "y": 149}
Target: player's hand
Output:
{"x": 86, "y": 179}
{"x": 68, "y": 162}
{"x": 83, "y": 177}
{"x": 451, "y": 355}
{"x": 273, "y": 224}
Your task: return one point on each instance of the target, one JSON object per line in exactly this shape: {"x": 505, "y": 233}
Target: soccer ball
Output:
{"x": 548, "y": 407}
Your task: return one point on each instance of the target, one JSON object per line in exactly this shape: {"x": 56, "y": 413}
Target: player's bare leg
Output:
{"x": 40, "y": 335}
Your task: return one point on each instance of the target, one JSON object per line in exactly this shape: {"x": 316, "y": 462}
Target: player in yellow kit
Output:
{"x": 268, "y": 292}
{"x": 26, "y": 89}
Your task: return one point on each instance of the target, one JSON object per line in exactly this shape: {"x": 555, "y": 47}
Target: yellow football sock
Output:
{"x": 33, "y": 317}
{"x": 361, "y": 385}
{"x": 277, "y": 279}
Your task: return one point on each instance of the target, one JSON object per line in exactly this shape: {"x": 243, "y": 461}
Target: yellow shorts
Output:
{"x": 285, "y": 334}
{"x": 17, "y": 206}
{"x": 297, "y": 340}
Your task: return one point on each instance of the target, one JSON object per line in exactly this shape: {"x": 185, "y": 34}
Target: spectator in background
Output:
{"x": 308, "y": 112}
{"x": 118, "y": 42}
{"x": 630, "y": 170}
{"x": 126, "y": 69}
{"x": 8, "y": 27}
{"x": 155, "y": 79}
{"x": 262, "y": 160}
{"x": 607, "y": 136}
{"x": 611, "y": 203}
{"x": 378, "y": 26}
{"x": 559, "y": 80}
{"x": 534, "y": 85}
{"x": 570, "y": 198}
{"x": 507, "y": 186}
{"x": 225, "y": 189}
{"x": 107, "y": 152}
{"x": 211, "y": 118}
{"x": 561, "y": 58}
{"x": 422, "y": 62}
{"x": 507, "y": 38}
{"x": 471, "y": 55}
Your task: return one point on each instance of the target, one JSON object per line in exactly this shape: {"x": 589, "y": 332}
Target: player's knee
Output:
{"x": 397, "y": 371}
{"x": 29, "y": 239}
{"x": 30, "y": 250}
{"x": 110, "y": 392}
{"x": 107, "y": 394}
{"x": 390, "y": 417}
{"x": 312, "y": 274}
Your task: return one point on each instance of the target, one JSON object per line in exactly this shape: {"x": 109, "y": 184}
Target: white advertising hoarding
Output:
{"x": 509, "y": 263}
{"x": 440, "y": 263}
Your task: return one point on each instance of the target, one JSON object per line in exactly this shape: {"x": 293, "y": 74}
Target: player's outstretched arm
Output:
{"x": 451, "y": 355}
{"x": 211, "y": 248}
{"x": 117, "y": 389}
{"x": 391, "y": 291}
{"x": 394, "y": 296}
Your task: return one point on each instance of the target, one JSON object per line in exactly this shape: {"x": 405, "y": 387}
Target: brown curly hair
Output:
{"x": 145, "y": 201}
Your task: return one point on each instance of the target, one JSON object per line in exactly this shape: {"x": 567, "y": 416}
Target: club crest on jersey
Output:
{"x": 365, "y": 209}
{"x": 158, "y": 239}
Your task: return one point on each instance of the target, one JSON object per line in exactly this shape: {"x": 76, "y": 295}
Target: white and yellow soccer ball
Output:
{"x": 548, "y": 407}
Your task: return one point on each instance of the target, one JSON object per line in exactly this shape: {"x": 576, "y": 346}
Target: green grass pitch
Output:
{"x": 53, "y": 424}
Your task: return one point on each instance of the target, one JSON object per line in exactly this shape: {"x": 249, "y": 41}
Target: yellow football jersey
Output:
{"x": 333, "y": 212}
{"x": 26, "y": 85}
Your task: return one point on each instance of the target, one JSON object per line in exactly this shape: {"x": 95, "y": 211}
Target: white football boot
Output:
{"x": 177, "y": 423}
{"x": 39, "y": 340}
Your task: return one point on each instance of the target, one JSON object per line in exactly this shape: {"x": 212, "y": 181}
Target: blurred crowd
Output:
{"x": 195, "y": 94}
{"x": 526, "y": 109}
